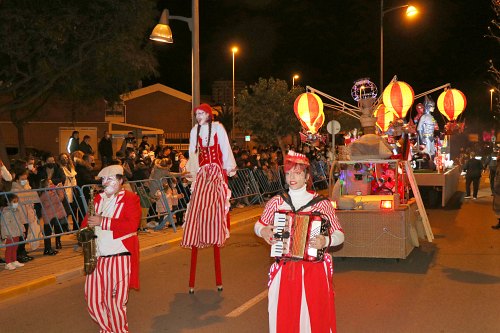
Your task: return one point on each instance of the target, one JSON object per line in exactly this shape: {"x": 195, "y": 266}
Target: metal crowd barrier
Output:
{"x": 42, "y": 213}
{"x": 163, "y": 201}
{"x": 244, "y": 188}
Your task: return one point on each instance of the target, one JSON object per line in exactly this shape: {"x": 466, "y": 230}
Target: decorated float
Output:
{"x": 377, "y": 191}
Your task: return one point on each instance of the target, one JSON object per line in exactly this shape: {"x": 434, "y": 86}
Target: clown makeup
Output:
{"x": 296, "y": 178}
{"x": 201, "y": 117}
{"x": 111, "y": 185}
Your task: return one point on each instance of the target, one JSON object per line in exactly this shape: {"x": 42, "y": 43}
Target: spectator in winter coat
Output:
{"x": 85, "y": 146}
{"x": 105, "y": 149}
{"x": 73, "y": 142}
{"x": 473, "y": 169}
{"x": 12, "y": 228}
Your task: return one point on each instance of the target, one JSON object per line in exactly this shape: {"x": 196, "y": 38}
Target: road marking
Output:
{"x": 239, "y": 310}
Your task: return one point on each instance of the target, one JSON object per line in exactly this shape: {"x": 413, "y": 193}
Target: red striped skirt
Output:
{"x": 206, "y": 215}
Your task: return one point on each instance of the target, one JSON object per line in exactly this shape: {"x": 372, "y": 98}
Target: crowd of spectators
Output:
{"x": 43, "y": 197}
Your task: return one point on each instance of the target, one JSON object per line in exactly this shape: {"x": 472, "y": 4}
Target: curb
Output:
{"x": 26, "y": 287}
{"x": 78, "y": 272}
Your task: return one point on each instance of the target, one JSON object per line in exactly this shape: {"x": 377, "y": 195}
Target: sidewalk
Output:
{"x": 68, "y": 264}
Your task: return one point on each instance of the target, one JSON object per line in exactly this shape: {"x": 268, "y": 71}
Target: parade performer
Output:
{"x": 207, "y": 218}
{"x": 301, "y": 296}
{"x": 118, "y": 213}
{"x": 426, "y": 126}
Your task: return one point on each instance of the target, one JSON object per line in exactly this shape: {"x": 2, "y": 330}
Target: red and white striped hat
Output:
{"x": 296, "y": 158}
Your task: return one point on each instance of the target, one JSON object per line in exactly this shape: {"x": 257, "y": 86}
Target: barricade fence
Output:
{"x": 45, "y": 213}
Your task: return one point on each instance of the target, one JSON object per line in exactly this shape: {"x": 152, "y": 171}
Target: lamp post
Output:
{"x": 234, "y": 50}
{"x": 491, "y": 99}
{"x": 295, "y": 77}
{"x": 410, "y": 11}
{"x": 163, "y": 33}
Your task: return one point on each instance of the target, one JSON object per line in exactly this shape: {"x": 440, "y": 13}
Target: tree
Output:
{"x": 75, "y": 50}
{"x": 494, "y": 33}
{"x": 266, "y": 109}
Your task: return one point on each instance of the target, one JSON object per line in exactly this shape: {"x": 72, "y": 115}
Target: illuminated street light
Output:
{"x": 163, "y": 33}
{"x": 234, "y": 50}
{"x": 491, "y": 99}
{"x": 295, "y": 77}
{"x": 410, "y": 11}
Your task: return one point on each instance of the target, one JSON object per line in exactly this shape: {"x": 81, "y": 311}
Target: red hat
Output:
{"x": 293, "y": 158}
{"x": 205, "y": 108}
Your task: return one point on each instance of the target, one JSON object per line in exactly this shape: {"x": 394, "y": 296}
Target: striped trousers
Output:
{"x": 106, "y": 293}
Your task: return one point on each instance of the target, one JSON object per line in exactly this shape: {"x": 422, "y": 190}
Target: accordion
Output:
{"x": 294, "y": 231}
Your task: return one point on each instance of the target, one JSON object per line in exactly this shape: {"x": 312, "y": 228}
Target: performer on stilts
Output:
{"x": 207, "y": 215}
{"x": 116, "y": 219}
{"x": 301, "y": 295}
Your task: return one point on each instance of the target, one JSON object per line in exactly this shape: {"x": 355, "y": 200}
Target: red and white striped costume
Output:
{"x": 206, "y": 216}
{"x": 301, "y": 294}
{"x": 106, "y": 289}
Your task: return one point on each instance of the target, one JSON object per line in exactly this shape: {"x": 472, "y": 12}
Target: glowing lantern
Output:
{"x": 398, "y": 98}
{"x": 451, "y": 103}
{"x": 308, "y": 108}
{"x": 384, "y": 117}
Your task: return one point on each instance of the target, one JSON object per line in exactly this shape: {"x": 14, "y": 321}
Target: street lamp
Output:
{"x": 234, "y": 50}
{"x": 163, "y": 33}
{"x": 295, "y": 77}
{"x": 410, "y": 11}
{"x": 491, "y": 99}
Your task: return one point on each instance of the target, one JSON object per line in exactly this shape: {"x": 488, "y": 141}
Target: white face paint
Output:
{"x": 296, "y": 178}
{"x": 111, "y": 185}
{"x": 201, "y": 117}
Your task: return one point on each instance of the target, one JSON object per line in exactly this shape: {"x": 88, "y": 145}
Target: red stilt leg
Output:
{"x": 218, "y": 273}
{"x": 192, "y": 273}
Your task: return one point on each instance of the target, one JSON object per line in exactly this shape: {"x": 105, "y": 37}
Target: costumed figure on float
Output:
{"x": 301, "y": 295}
{"x": 117, "y": 217}
{"x": 207, "y": 216}
{"x": 426, "y": 126}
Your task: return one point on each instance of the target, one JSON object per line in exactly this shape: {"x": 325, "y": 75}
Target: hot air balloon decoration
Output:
{"x": 451, "y": 103}
{"x": 308, "y": 108}
{"x": 398, "y": 97}
{"x": 384, "y": 117}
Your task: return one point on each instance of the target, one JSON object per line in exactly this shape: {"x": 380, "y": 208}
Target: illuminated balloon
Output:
{"x": 451, "y": 103}
{"x": 384, "y": 117}
{"x": 398, "y": 98}
{"x": 308, "y": 108}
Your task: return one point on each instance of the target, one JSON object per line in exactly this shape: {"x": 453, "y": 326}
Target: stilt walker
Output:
{"x": 207, "y": 215}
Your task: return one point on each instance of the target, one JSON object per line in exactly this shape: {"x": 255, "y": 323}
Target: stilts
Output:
{"x": 218, "y": 272}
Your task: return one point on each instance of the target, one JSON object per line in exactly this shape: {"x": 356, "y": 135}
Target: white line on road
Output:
{"x": 239, "y": 310}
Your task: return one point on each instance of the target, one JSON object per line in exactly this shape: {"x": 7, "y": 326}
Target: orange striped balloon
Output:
{"x": 308, "y": 108}
{"x": 398, "y": 97}
{"x": 451, "y": 103}
{"x": 384, "y": 117}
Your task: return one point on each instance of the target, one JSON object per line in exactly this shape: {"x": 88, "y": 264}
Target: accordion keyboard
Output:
{"x": 279, "y": 222}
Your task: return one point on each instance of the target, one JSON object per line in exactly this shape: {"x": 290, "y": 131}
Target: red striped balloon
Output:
{"x": 308, "y": 108}
{"x": 398, "y": 97}
{"x": 451, "y": 103}
{"x": 384, "y": 117}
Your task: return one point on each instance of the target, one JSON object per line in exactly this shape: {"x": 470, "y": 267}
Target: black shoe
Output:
{"x": 58, "y": 245}
{"x": 22, "y": 259}
{"x": 2, "y": 261}
{"x": 496, "y": 226}
{"x": 29, "y": 257}
{"x": 49, "y": 252}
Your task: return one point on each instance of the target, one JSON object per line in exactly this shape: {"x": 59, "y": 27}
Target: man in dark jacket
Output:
{"x": 491, "y": 165}
{"x": 85, "y": 146}
{"x": 473, "y": 169}
{"x": 105, "y": 149}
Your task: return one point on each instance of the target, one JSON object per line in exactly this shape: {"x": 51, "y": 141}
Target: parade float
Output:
{"x": 377, "y": 192}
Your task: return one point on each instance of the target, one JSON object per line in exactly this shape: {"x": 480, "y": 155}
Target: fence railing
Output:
{"x": 51, "y": 212}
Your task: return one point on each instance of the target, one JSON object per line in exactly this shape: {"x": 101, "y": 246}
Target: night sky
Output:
{"x": 331, "y": 43}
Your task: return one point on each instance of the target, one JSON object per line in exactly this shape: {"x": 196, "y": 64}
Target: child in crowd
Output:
{"x": 54, "y": 215}
{"x": 12, "y": 228}
{"x": 172, "y": 199}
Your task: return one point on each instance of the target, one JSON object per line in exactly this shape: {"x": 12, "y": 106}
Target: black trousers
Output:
{"x": 492, "y": 180}
{"x": 475, "y": 186}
